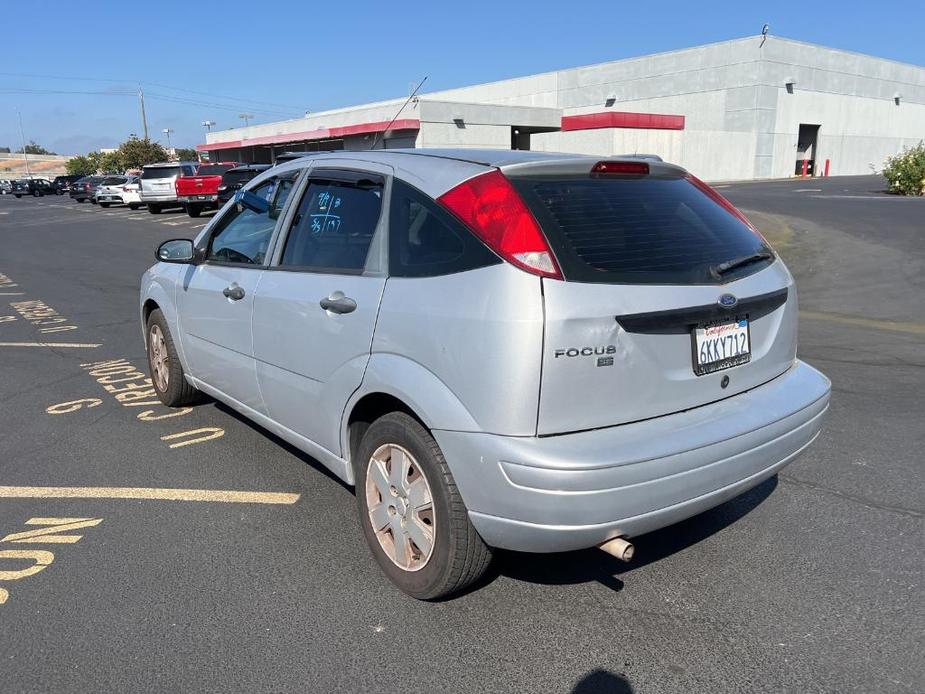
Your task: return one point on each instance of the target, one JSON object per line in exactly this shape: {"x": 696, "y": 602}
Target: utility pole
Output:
{"x": 246, "y": 117}
{"x": 144, "y": 119}
{"x": 22, "y": 137}
{"x": 207, "y": 124}
{"x": 167, "y": 132}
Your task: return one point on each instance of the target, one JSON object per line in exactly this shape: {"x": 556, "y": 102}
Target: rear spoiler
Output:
{"x": 578, "y": 165}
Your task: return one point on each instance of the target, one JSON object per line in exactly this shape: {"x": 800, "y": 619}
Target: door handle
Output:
{"x": 234, "y": 292}
{"x": 338, "y": 303}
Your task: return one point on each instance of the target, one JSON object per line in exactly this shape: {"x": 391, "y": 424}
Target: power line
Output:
{"x": 153, "y": 84}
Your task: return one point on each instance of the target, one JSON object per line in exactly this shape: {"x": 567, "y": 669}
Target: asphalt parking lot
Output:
{"x": 811, "y": 582}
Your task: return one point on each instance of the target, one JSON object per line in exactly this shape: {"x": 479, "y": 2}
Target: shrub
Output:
{"x": 905, "y": 172}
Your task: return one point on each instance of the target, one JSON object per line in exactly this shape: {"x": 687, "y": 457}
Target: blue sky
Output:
{"x": 275, "y": 59}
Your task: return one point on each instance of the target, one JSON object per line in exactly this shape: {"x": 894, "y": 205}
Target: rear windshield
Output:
{"x": 645, "y": 230}
{"x": 239, "y": 176}
{"x": 161, "y": 172}
{"x": 213, "y": 169}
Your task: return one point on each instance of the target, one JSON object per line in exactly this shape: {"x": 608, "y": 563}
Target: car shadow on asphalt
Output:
{"x": 301, "y": 455}
{"x": 583, "y": 566}
{"x": 603, "y": 682}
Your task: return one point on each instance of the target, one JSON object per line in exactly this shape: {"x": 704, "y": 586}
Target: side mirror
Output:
{"x": 246, "y": 200}
{"x": 176, "y": 251}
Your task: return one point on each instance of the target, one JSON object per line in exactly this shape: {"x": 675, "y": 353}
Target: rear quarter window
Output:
{"x": 638, "y": 230}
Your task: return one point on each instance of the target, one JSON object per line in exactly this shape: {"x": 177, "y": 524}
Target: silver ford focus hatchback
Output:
{"x": 519, "y": 350}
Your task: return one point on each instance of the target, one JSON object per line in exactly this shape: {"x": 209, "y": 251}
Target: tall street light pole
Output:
{"x": 167, "y": 132}
{"x": 144, "y": 119}
{"x": 22, "y": 137}
{"x": 246, "y": 117}
{"x": 207, "y": 124}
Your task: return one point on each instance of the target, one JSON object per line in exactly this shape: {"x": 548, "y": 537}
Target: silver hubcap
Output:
{"x": 157, "y": 350}
{"x": 401, "y": 507}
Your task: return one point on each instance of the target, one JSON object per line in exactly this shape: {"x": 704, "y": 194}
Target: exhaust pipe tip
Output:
{"x": 618, "y": 547}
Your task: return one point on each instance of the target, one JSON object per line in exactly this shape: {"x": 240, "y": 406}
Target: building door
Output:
{"x": 807, "y": 137}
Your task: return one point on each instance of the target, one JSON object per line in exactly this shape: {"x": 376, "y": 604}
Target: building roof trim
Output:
{"x": 316, "y": 134}
{"x": 623, "y": 119}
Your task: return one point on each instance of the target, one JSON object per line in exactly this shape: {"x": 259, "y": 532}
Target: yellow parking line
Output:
{"x": 216, "y": 495}
{"x": 87, "y": 345}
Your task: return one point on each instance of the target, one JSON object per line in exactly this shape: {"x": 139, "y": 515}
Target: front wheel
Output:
{"x": 104, "y": 204}
{"x": 154, "y": 209}
{"x": 36, "y": 194}
{"x": 18, "y": 196}
{"x": 132, "y": 206}
{"x": 412, "y": 514}
{"x": 167, "y": 374}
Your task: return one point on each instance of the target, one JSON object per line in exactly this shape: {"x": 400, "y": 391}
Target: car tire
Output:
{"x": 154, "y": 209}
{"x": 18, "y": 196}
{"x": 104, "y": 204}
{"x": 193, "y": 210}
{"x": 167, "y": 375}
{"x": 36, "y": 194}
{"x": 457, "y": 556}
{"x": 132, "y": 206}
{"x": 80, "y": 199}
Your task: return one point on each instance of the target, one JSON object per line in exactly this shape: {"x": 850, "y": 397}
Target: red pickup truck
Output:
{"x": 200, "y": 192}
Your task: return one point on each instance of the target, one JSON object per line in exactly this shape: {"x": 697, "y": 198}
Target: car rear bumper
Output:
{"x": 108, "y": 197}
{"x": 558, "y": 493}
{"x": 158, "y": 197}
{"x": 204, "y": 199}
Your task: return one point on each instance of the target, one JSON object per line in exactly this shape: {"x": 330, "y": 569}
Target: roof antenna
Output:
{"x": 407, "y": 101}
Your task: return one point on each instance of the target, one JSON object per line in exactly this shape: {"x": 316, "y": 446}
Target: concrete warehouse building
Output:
{"x": 754, "y": 107}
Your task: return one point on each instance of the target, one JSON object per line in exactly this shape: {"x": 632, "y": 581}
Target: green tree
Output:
{"x": 111, "y": 163}
{"x": 135, "y": 153}
{"x": 187, "y": 154}
{"x": 33, "y": 148}
{"x": 79, "y": 166}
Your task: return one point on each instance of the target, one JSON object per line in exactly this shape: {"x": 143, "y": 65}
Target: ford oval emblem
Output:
{"x": 727, "y": 301}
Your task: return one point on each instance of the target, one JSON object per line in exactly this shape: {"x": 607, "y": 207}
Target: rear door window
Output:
{"x": 335, "y": 223}
{"x": 656, "y": 229}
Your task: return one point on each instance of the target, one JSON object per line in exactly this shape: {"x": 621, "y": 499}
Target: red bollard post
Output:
{"x": 805, "y": 168}
{"x": 826, "y": 173}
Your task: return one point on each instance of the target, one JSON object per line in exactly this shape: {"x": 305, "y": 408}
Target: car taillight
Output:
{"x": 726, "y": 205}
{"x": 490, "y": 206}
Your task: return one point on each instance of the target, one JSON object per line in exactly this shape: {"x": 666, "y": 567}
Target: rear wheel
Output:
{"x": 18, "y": 195}
{"x": 36, "y": 194}
{"x": 132, "y": 206}
{"x": 164, "y": 365}
{"x": 411, "y": 512}
{"x": 104, "y": 204}
{"x": 154, "y": 209}
{"x": 80, "y": 199}
{"x": 193, "y": 210}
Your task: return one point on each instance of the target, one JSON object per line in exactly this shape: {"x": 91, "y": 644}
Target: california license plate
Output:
{"x": 721, "y": 346}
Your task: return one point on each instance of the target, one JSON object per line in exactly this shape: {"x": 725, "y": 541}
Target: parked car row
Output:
{"x": 194, "y": 186}
{"x": 37, "y": 187}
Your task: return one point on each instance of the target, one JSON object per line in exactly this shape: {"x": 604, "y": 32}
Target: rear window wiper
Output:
{"x": 721, "y": 269}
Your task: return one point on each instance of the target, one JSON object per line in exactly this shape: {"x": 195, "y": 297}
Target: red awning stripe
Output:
{"x": 317, "y": 134}
{"x": 623, "y": 119}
